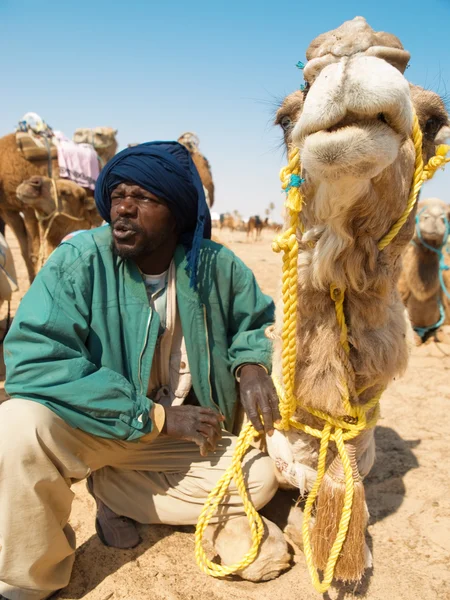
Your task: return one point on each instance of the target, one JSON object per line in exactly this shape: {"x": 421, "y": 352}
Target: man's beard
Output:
{"x": 147, "y": 245}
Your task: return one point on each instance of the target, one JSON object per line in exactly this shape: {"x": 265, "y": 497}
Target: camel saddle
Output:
{"x": 34, "y": 138}
{"x": 35, "y": 146}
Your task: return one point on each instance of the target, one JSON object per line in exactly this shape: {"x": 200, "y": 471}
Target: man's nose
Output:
{"x": 127, "y": 207}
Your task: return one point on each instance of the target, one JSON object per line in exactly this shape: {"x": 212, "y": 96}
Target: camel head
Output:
{"x": 352, "y": 124}
{"x": 190, "y": 141}
{"x": 38, "y": 193}
{"x": 432, "y": 222}
{"x": 102, "y": 138}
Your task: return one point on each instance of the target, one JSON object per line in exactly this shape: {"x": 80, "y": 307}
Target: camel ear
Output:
{"x": 116, "y": 131}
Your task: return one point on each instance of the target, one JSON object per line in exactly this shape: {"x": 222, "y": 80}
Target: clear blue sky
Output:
{"x": 156, "y": 69}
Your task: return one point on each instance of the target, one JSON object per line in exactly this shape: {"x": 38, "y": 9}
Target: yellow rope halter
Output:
{"x": 334, "y": 429}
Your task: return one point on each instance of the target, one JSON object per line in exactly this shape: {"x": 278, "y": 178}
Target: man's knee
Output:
{"x": 22, "y": 424}
{"x": 262, "y": 481}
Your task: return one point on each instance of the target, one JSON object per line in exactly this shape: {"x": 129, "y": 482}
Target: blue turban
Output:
{"x": 166, "y": 170}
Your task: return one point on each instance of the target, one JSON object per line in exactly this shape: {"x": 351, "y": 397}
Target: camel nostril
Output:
{"x": 36, "y": 181}
{"x": 381, "y": 117}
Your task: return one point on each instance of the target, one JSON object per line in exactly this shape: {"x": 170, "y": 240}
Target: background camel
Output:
{"x": 191, "y": 142}
{"x": 227, "y": 220}
{"x": 14, "y": 169}
{"x": 60, "y": 207}
{"x": 102, "y": 138}
{"x": 255, "y": 226}
{"x": 422, "y": 271}
{"x": 352, "y": 125}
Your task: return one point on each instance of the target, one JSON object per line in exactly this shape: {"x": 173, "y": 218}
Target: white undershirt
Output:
{"x": 156, "y": 286}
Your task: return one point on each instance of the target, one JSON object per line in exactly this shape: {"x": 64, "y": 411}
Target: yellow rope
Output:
{"x": 337, "y": 430}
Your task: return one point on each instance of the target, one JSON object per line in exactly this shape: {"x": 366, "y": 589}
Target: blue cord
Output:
{"x": 294, "y": 181}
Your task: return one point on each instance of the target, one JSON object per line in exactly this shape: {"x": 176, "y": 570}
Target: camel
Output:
{"x": 421, "y": 283}
{"x": 191, "y": 142}
{"x": 102, "y": 138}
{"x": 14, "y": 169}
{"x": 60, "y": 206}
{"x": 349, "y": 131}
{"x": 227, "y": 220}
{"x": 255, "y": 227}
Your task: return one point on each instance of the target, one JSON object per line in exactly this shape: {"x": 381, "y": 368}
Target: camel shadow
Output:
{"x": 94, "y": 562}
{"x": 384, "y": 488}
{"x": 384, "y": 485}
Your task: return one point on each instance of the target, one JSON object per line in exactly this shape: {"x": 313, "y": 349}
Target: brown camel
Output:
{"x": 352, "y": 128}
{"x": 13, "y": 170}
{"x": 102, "y": 138}
{"x": 421, "y": 283}
{"x": 227, "y": 220}
{"x": 255, "y": 227}
{"x": 191, "y": 142}
{"x": 60, "y": 207}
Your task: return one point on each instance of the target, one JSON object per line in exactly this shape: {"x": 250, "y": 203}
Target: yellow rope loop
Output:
{"x": 216, "y": 495}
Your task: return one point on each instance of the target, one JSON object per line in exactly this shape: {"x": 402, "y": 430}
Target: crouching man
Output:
{"x": 122, "y": 368}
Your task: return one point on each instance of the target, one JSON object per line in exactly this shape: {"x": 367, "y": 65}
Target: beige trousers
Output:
{"x": 161, "y": 481}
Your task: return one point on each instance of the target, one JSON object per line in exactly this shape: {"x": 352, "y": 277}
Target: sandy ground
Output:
{"x": 409, "y": 528}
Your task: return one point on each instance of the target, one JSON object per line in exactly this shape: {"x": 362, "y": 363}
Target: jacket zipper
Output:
{"x": 209, "y": 361}
{"x": 143, "y": 350}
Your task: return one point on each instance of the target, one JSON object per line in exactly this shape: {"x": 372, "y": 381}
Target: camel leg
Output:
{"x": 232, "y": 539}
{"x": 16, "y": 223}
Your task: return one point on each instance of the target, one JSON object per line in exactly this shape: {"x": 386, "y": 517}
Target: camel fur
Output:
{"x": 419, "y": 284}
{"x": 352, "y": 124}
{"x": 14, "y": 169}
{"x": 38, "y": 195}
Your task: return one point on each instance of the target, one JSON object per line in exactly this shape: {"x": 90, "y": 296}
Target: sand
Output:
{"x": 409, "y": 530}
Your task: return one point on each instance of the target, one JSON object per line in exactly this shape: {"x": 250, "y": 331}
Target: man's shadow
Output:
{"x": 94, "y": 562}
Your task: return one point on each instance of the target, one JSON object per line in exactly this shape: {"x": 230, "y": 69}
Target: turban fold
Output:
{"x": 166, "y": 170}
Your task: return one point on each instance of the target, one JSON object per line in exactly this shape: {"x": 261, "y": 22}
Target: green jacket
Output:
{"x": 83, "y": 338}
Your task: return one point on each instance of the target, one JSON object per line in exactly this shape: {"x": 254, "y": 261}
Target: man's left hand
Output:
{"x": 259, "y": 398}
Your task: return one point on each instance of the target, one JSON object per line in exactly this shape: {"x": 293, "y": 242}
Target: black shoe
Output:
{"x": 113, "y": 530}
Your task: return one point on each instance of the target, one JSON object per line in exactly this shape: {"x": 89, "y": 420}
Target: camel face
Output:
{"x": 354, "y": 118}
{"x": 38, "y": 193}
{"x": 102, "y": 138}
{"x": 432, "y": 222}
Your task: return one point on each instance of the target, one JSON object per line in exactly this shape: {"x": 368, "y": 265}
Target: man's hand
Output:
{"x": 194, "y": 424}
{"x": 259, "y": 398}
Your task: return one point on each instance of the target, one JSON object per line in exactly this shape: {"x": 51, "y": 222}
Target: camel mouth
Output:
{"x": 361, "y": 148}
{"x": 351, "y": 121}
{"x": 27, "y": 193}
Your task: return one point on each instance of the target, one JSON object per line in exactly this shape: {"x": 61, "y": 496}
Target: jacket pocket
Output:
{"x": 180, "y": 375}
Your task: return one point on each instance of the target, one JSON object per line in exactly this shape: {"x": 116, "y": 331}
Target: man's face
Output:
{"x": 140, "y": 222}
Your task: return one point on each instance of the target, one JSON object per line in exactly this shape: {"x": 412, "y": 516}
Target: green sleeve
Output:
{"x": 47, "y": 359}
{"x": 251, "y": 312}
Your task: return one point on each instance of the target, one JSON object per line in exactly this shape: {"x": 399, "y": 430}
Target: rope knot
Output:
{"x": 336, "y": 293}
{"x": 350, "y": 420}
{"x": 436, "y": 162}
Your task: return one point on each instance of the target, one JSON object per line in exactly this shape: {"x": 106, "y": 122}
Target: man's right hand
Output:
{"x": 194, "y": 424}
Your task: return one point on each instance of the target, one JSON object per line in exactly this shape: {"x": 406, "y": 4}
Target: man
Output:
{"x": 122, "y": 365}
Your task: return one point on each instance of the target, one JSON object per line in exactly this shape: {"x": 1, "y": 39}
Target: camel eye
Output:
{"x": 286, "y": 123}
{"x": 432, "y": 126}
